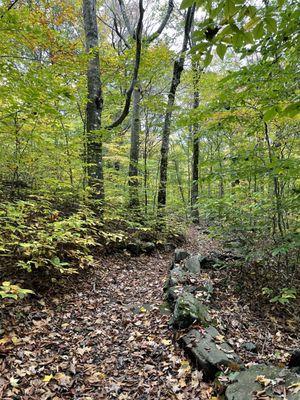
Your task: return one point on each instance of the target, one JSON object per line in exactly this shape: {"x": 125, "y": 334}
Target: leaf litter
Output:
{"x": 104, "y": 337}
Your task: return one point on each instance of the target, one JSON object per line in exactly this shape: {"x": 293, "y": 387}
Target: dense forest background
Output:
{"x": 128, "y": 129}
{"x": 196, "y": 118}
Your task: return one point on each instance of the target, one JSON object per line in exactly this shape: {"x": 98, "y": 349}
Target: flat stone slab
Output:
{"x": 274, "y": 382}
{"x": 209, "y": 352}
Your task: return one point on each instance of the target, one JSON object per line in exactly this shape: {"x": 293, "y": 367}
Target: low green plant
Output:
{"x": 34, "y": 235}
{"x": 285, "y": 296}
{"x": 10, "y": 291}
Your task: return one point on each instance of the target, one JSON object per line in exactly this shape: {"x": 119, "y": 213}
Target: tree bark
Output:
{"x": 94, "y": 104}
{"x": 134, "y": 150}
{"x": 195, "y": 139}
{"x": 164, "y": 152}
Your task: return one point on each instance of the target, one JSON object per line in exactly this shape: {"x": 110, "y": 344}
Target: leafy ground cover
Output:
{"x": 106, "y": 335}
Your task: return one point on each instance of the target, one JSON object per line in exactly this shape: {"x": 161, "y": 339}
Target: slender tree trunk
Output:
{"x": 164, "y": 152}
{"x": 134, "y": 150}
{"x": 147, "y": 132}
{"x": 277, "y": 217}
{"x": 180, "y": 187}
{"x": 195, "y": 159}
{"x": 94, "y": 104}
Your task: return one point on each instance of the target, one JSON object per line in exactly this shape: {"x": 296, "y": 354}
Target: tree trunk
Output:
{"x": 134, "y": 150}
{"x": 147, "y": 132}
{"x": 180, "y": 187}
{"x": 94, "y": 104}
{"x": 164, "y": 152}
{"x": 195, "y": 160}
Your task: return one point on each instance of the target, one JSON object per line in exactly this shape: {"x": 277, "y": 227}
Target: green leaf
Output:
{"x": 253, "y": 22}
{"x": 221, "y": 50}
{"x": 271, "y": 24}
{"x": 229, "y": 8}
{"x": 292, "y": 110}
{"x": 270, "y": 113}
{"x": 224, "y": 31}
{"x": 258, "y": 31}
{"x": 186, "y": 3}
{"x": 208, "y": 59}
{"x": 251, "y": 11}
{"x": 237, "y": 40}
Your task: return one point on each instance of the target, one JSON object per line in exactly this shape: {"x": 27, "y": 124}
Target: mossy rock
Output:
{"x": 180, "y": 255}
{"x": 193, "y": 264}
{"x": 177, "y": 277}
{"x": 187, "y": 310}
{"x": 209, "y": 353}
{"x": 273, "y": 380}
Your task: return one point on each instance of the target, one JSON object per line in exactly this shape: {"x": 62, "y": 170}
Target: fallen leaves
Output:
{"x": 110, "y": 344}
{"x": 295, "y": 388}
{"x": 263, "y": 380}
{"x": 47, "y": 378}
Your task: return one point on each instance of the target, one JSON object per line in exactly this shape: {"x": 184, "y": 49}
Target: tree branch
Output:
{"x": 126, "y": 19}
{"x": 163, "y": 23}
{"x": 138, "y": 38}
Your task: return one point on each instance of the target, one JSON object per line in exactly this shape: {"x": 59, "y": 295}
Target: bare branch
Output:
{"x": 126, "y": 19}
{"x": 163, "y": 23}
{"x": 9, "y": 7}
{"x": 138, "y": 38}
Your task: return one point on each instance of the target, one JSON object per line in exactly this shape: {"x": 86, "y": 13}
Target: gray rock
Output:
{"x": 173, "y": 292}
{"x": 149, "y": 247}
{"x": 208, "y": 354}
{"x": 192, "y": 264}
{"x": 250, "y": 346}
{"x": 135, "y": 248}
{"x": 180, "y": 255}
{"x": 246, "y": 385}
{"x": 177, "y": 277}
{"x": 187, "y": 310}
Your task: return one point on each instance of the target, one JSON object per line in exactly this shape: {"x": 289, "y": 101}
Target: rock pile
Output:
{"x": 206, "y": 346}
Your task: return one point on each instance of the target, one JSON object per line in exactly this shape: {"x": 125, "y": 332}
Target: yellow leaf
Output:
{"x": 166, "y": 342}
{"x": 263, "y": 380}
{"x": 143, "y": 309}
{"x": 185, "y": 363}
{"x": 59, "y": 376}
{"x": 4, "y": 340}
{"x": 15, "y": 340}
{"x": 295, "y": 387}
{"x": 96, "y": 377}
{"x": 14, "y": 382}
{"x": 47, "y": 378}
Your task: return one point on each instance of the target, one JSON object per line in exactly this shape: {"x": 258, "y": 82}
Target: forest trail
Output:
{"x": 107, "y": 338}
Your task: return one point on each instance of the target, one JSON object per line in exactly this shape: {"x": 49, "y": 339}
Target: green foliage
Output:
{"x": 10, "y": 291}
{"x": 247, "y": 123}
{"x": 285, "y": 296}
{"x": 37, "y": 236}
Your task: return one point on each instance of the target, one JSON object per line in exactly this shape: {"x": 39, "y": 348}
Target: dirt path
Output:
{"x": 107, "y": 338}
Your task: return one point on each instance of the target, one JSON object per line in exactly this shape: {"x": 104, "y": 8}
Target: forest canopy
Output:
{"x": 120, "y": 118}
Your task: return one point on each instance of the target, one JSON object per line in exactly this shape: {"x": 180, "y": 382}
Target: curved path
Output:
{"x": 106, "y": 338}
